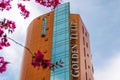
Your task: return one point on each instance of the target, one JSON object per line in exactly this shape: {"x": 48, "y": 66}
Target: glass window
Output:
{"x": 60, "y": 43}
{"x": 60, "y": 76}
{"x": 60, "y": 49}
{"x": 61, "y": 27}
{"x": 51, "y": 78}
{"x": 60, "y": 37}
{"x": 67, "y": 59}
{"x": 53, "y": 51}
{"x": 44, "y": 26}
{"x": 60, "y": 32}
{"x": 61, "y": 21}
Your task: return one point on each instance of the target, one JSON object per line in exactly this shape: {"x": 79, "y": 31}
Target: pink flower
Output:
{"x": 24, "y": 12}
{"x": 35, "y": 63}
{"x": 26, "y": 0}
{"x": 11, "y": 24}
{"x": 7, "y": 25}
{"x": 3, "y": 65}
{"x": 45, "y": 64}
{"x": 5, "y": 4}
{"x": 49, "y": 3}
{"x": 39, "y": 56}
{"x": 38, "y": 60}
{"x": 1, "y": 32}
{"x": 55, "y": 3}
{"x": 4, "y": 42}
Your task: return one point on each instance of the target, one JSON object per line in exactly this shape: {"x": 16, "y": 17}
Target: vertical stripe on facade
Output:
{"x": 61, "y": 43}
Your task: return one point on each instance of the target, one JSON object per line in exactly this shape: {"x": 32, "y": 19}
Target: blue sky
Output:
{"x": 101, "y": 19}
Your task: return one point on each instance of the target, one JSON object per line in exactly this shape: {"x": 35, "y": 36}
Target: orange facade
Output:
{"x": 81, "y": 67}
{"x": 82, "y": 44}
{"x": 35, "y": 42}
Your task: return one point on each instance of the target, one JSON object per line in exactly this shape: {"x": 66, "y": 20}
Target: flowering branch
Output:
{"x": 9, "y": 25}
{"x": 3, "y": 65}
{"x": 4, "y": 4}
{"x": 5, "y": 24}
{"x": 38, "y": 60}
{"x": 49, "y": 3}
{"x": 24, "y": 12}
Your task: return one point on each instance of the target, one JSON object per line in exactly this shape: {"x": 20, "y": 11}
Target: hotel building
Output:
{"x": 60, "y": 36}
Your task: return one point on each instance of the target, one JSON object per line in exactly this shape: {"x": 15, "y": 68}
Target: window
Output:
{"x": 84, "y": 40}
{"x": 87, "y": 55}
{"x": 84, "y": 52}
{"x": 88, "y": 66}
{"x": 87, "y": 44}
{"x": 92, "y": 69}
{"x": 85, "y": 64}
{"x": 83, "y": 29}
{"x": 44, "y": 26}
{"x": 43, "y": 79}
{"x": 86, "y": 75}
{"x": 45, "y": 51}
{"x": 86, "y": 34}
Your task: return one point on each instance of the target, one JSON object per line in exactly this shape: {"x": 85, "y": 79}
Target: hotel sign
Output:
{"x": 75, "y": 67}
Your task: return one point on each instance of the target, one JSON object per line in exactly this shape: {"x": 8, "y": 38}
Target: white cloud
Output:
{"x": 3, "y": 78}
{"x": 111, "y": 69}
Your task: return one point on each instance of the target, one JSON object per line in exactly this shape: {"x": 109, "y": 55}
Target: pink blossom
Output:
{"x": 5, "y": 4}
{"x": 4, "y": 41}
{"x": 39, "y": 56}
{"x": 49, "y": 3}
{"x": 38, "y": 60}
{"x": 23, "y": 12}
{"x": 11, "y": 24}
{"x": 55, "y": 3}
{"x": 35, "y": 63}
{"x": 1, "y": 32}
{"x": 7, "y": 25}
{"x": 45, "y": 64}
{"x": 3, "y": 65}
{"x": 26, "y": 0}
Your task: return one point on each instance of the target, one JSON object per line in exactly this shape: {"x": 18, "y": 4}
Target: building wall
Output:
{"x": 85, "y": 60}
{"x": 35, "y": 41}
{"x": 75, "y": 47}
{"x": 79, "y": 63}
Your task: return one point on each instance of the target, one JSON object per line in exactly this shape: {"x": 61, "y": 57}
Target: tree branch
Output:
{"x": 21, "y": 45}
